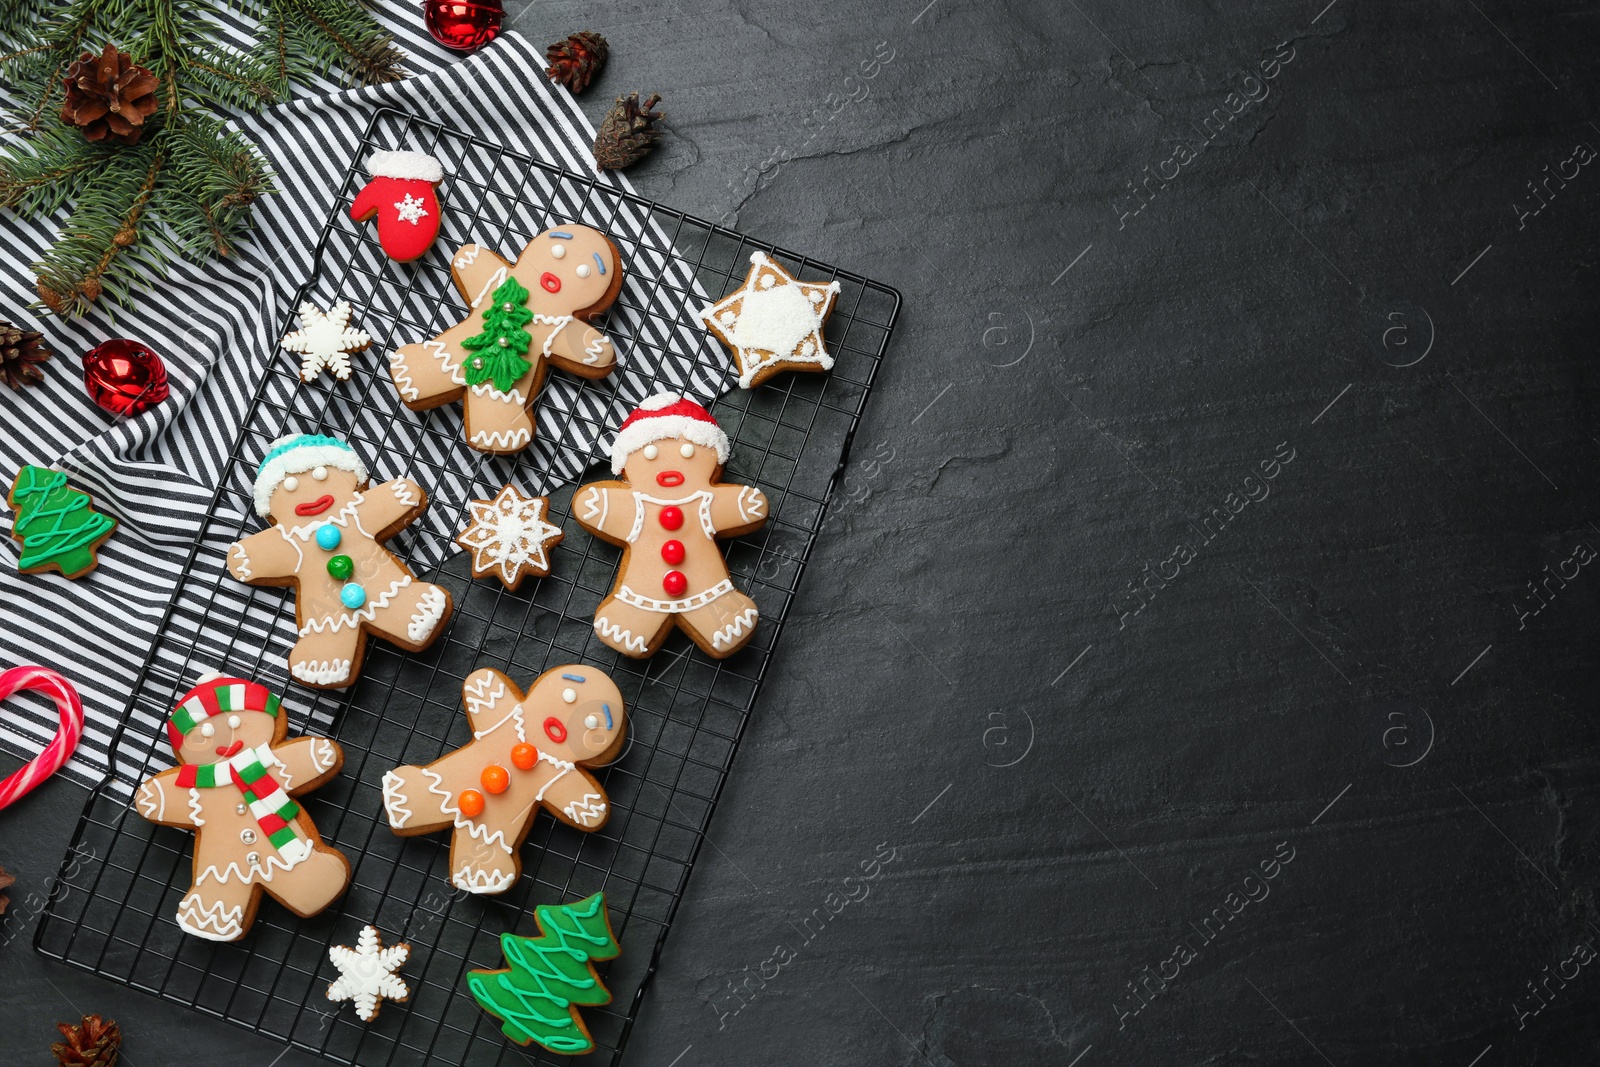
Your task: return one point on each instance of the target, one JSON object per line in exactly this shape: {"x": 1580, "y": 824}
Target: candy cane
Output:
{"x": 61, "y": 746}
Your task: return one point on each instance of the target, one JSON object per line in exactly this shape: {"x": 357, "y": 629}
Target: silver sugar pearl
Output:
{"x": 239, "y": 809}
{"x": 253, "y": 859}
{"x": 505, "y": 342}
{"x": 248, "y": 836}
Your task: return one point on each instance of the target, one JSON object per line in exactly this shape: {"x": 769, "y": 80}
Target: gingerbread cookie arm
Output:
{"x": 477, "y": 270}
{"x": 582, "y": 350}
{"x": 265, "y": 557}
{"x": 577, "y": 800}
{"x": 606, "y": 509}
{"x": 385, "y": 509}
{"x": 737, "y": 509}
{"x": 307, "y": 762}
{"x": 165, "y": 803}
{"x": 417, "y": 800}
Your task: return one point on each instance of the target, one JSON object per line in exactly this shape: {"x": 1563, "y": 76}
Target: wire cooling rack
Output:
{"x": 112, "y": 909}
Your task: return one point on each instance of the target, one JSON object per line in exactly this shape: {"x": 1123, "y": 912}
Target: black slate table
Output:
{"x": 1202, "y": 666}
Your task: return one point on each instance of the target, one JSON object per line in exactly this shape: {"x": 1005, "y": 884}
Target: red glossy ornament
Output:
{"x": 671, "y": 517}
{"x": 124, "y": 377}
{"x": 460, "y": 25}
{"x": 673, "y": 552}
{"x": 675, "y": 583}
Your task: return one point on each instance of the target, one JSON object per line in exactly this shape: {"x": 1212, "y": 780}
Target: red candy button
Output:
{"x": 674, "y": 583}
{"x": 672, "y": 552}
{"x": 671, "y": 517}
{"x": 470, "y": 803}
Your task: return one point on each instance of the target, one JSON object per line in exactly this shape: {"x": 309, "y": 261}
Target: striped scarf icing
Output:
{"x": 273, "y": 810}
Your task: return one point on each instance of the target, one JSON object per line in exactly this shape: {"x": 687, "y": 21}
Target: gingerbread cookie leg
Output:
{"x": 500, "y": 421}
{"x": 630, "y": 629}
{"x": 723, "y": 626}
{"x": 218, "y": 910}
{"x": 321, "y": 659}
{"x": 414, "y": 615}
{"x": 312, "y": 884}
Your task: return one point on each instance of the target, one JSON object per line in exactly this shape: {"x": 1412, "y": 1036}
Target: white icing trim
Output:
{"x": 586, "y": 811}
{"x": 490, "y": 286}
{"x": 752, "y": 503}
{"x": 226, "y": 923}
{"x": 661, "y": 427}
{"x": 243, "y": 561}
{"x": 194, "y": 807}
{"x": 323, "y": 756}
{"x": 598, "y": 503}
{"x": 332, "y": 624}
{"x": 467, "y": 256}
{"x": 471, "y": 880}
{"x": 502, "y": 439}
{"x": 614, "y": 635}
{"x": 729, "y": 634}
{"x": 483, "y": 694}
{"x": 641, "y": 499}
{"x": 406, "y": 166}
{"x": 151, "y": 801}
{"x": 699, "y": 600}
{"x": 298, "y": 461}
{"x": 395, "y": 801}
{"x": 595, "y": 349}
{"x": 430, "y": 609}
{"x": 447, "y": 805}
{"x": 324, "y": 672}
{"x": 404, "y": 492}
{"x": 401, "y": 373}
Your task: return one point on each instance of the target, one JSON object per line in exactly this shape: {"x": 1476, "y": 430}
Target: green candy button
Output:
{"x": 341, "y": 567}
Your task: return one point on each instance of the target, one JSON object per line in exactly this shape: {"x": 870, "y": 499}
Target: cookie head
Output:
{"x": 574, "y": 267}
{"x": 305, "y": 476}
{"x": 576, "y": 713}
{"x": 667, "y": 443}
{"x": 222, "y": 717}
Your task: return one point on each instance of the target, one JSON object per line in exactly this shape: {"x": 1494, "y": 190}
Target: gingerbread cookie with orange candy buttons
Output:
{"x": 326, "y": 541}
{"x": 667, "y": 514}
{"x": 233, "y": 786}
{"x": 523, "y": 318}
{"x": 527, "y": 752}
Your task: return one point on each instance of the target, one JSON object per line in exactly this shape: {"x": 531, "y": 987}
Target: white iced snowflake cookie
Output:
{"x": 773, "y": 322}
{"x": 509, "y": 537}
{"x": 325, "y": 339}
{"x": 366, "y": 973}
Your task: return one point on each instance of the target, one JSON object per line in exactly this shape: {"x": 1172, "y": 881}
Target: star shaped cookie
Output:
{"x": 773, "y": 322}
{"x": 366, "y": 973}
{"x": 326, "y": 339}
{"x": 509, "y": 537}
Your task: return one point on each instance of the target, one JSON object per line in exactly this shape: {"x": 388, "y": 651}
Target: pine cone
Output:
{"x": 576, "y": 61}
{"x": 92, "y": 1043}
{"x": 109, "y": 94}
{"x": 20, "y": 350}
{"x": 6, "y": 881}
{"x": 628, "y": 132}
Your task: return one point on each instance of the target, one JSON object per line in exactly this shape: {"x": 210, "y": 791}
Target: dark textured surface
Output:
{"x": 1347, "y": 669}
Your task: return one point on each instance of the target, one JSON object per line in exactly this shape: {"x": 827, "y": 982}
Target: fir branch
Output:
{"x": 216, "y": 176}
{"x": 38, "y": 176}
{"x": 316, "y": 36}
{"x": 99, "y": 249}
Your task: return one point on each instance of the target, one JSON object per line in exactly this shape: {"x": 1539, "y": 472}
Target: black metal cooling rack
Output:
{"x": 118, "y": 889}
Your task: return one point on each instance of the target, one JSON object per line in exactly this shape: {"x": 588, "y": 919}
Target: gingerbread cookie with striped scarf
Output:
{"x": 234, "y": 787}
{"x": 528, "y": 752}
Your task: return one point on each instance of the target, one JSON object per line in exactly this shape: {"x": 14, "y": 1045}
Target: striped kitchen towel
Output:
{"x": 216, "y": 326}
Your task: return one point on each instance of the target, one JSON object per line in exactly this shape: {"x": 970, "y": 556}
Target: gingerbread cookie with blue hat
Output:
{"x": 234, "y": 786}
{"x": 327, "y": 542}
{"x": 667, "y": 513}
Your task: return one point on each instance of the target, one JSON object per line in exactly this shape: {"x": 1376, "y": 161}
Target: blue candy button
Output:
{"x": 352, "y": 596}
{"x": 328, "y": 537}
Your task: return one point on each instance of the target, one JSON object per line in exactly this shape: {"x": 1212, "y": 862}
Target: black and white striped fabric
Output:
{"x": 217, "y": 328}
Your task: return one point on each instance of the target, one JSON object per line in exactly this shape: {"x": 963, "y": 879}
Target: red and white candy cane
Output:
{"x": 46, "y": 763}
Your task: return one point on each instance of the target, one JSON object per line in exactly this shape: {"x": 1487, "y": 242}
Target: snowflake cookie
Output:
{"x": 326, "y": 339}
{"x": 773, "y": 322}
{"x": 366, "y": 973}
{"x": 509, "y": 537}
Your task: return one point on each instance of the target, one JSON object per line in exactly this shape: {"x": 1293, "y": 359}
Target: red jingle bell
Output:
{"x": 124, "y": 377}
{"x": 461, "y": 24}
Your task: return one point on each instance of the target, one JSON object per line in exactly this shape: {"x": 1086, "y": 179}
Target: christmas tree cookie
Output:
{"x": 57, "y": 524}
{"x": 537, "y": 997}
{"x": 523, "y": 318}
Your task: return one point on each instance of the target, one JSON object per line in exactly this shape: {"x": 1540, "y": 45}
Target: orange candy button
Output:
{"x": 525, "y": 756}
{"x": 470, "y": 802}
{"x": 495, "y": 778}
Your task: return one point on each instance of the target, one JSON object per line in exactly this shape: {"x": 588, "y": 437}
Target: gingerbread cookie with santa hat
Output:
{"x": 326, "y": 541}
{"x": 667, "y": 513}
{"x": 234, "y": 786}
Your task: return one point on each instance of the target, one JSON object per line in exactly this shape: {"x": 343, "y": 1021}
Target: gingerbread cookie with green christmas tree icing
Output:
{"x": 56, "y": 524}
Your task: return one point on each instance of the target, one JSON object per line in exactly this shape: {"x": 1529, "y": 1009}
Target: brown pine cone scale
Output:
{"x": 109, "y": 96}
{"x": 577, "y": 61}
{"x": 628, "y": 132}
{"x": 20, "y": 353}
{"x": 92, "y": 1043}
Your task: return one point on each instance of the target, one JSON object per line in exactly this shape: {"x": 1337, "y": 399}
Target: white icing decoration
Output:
{"x": 406, "y": 166}
{"x": 207, "y": 730}
{"x": 411, "y": 209}
{"x": 329, "y": 672}
{"x": 558, "y": 251}
{"x": 699, "y": 600}
{"x": 725, "y": 637}
{"x": 584, "y": 270}
{"x": 194, "y": 916}
{"x": 366, "y": 973}
{"x": 591, "y": 722}
{"x": 430, "y": 609}
{"x": 773, "y": 318}
{"x": 319, "y": 474}
{"x": 569, "y": 695}
{"x": 686, "y": 450}
{"x": 350, "y": 619}
{"x": 591, "y": 809}
{"x": 651, "y": 452}
{"x": 395, "y": 801}
{"x": 291, "y": 483}
{"x": 508, "y": 534}
{"x": 619, "y": 635}
{"x": 325, "y": 340}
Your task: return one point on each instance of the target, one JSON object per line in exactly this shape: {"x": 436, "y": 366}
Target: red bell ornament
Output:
{"x": 124, "y": 377}
{"x": 462, "y": 25}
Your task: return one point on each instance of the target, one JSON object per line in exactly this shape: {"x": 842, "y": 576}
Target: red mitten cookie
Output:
{"x": 403, "y": 195}
{"x": 524, "y": 317}
{"x": 667, "y": 514}
{"x": 327, "y": 542}
{"x": 232, "y": 786}
{"x": 526, "y": 752}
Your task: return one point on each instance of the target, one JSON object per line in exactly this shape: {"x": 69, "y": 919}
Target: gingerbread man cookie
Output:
{"x": 327, "y": 542}
{"x": 526, "y": 752}
{"x": 232, "y": 786}
{"x": 667, "y": 514}
{"x": 524, "y": 317}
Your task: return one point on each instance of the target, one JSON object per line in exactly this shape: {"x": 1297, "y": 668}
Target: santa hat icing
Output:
{"x": 663, "y": 416}
{"x": 218, "y": 695}
{"x": 406, "y": 166}
{"x": 297, "y": 454}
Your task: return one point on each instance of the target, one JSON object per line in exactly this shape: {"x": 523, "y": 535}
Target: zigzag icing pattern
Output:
{"x": 447, "y": 804}
{"x": 592, "y": 808}
{"x": 334, "y": 623}
{"x": 225, "y": 922}
{"x": 151, "y": 802}
{"x": 243, "y": 562}
{"x": 395, "y": 801}
{"x": 323, "y": 756}
{"x": 293, "y": 854}
{"x": 477, "y": 880}
{"x": 595, "y": 349}
{"x": 194, "y": 808}
{"x": 596, "y": 503}
{"x": 403, "y": 492}
{"x": 725, "y": 637}
{"x": 430, "y": 609}
{"x": 482, "y": 693}
{"x": 610, "y": 632}
{"x": 752, "y": 502}
{"x": 401, "y": 373}
{"x": 321, "y": 672}
{"x": 504, "y": 439}
{"x": 467, "y": 256}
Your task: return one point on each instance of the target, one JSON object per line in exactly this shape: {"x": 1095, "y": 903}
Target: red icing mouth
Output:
{"x": 669, "y": 479}
{"x": 230, "y": 750}
{"x": 555, "y": 730}
{"x": 549, "y": 282}
{"x": 314, "y": 507}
